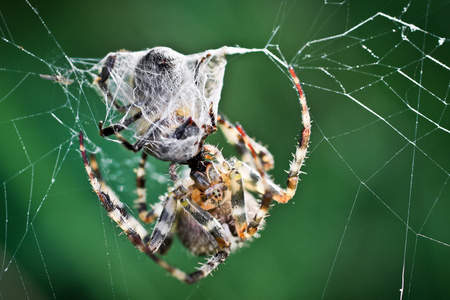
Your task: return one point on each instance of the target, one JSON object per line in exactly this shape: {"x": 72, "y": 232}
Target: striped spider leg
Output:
{"x": 176, "y": 203}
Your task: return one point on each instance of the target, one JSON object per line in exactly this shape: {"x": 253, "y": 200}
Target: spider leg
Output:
{"x": 162, "y": 235}
{"x": 209, "y": 266}
{"x": 215, "y": 229}
{"x": 295, "y": 165}
{"x": 238, "y": 210}
{"x": 135, "y": 232}
{"x": 259, "y": 178}
{"x": 259, "y": 157}
{"x": 235, "y": 138}
{"x": 210, "y": 224}
{"x": 267, "y": 195}
{"x": 147, "y": 216}
{"x": 165, "y": 223}
{"x": 253, "y": 180}
{"x": 165, "y": 246}
{"x": 115, "y": 208}
{"x": 302, "y": 146}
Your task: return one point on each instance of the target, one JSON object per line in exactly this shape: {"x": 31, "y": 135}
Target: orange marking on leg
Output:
{"x": 258, "y": 163}
{"x": 222, "y": 243}
{"x": 251, "y": 231}
{"x": 296, "y": 81}
{"x": 145, "y": 217}
{"x": 242, "y": 230}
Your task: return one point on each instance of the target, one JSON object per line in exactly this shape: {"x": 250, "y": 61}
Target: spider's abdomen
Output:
{"x": 177, "y": 95}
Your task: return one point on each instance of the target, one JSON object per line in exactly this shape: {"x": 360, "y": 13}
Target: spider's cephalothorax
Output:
{"x": 172, "y": 100}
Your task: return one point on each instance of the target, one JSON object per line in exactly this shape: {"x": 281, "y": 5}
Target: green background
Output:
{"x": 59, "y": 241}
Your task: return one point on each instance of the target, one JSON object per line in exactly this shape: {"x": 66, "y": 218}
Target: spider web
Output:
{"x": 370, "y": 217}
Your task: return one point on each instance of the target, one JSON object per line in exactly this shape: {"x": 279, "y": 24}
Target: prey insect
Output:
{"x": 170, "y": 101}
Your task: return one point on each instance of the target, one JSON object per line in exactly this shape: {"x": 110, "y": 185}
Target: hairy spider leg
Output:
{"x": 135, "y": 232}
{"x": 238, "y": 211}
{"x": 209, "y": 224}
{"x": 147, "y": 216}
{"x": 253, "y": 154}
{"x": 109, "y": 193}
{"x": 167, "y": 243}
{"x": 302, "y": 146}
{"x": 165, "y": 222}
{"x": 235, "y": 138}
{"x": 253, "y": 180}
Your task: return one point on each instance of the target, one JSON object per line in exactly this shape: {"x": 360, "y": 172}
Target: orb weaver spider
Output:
{"x": 172, "y": 102}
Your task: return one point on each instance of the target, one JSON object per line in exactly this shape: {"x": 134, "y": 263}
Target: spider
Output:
{"x": 172, "y": 102}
